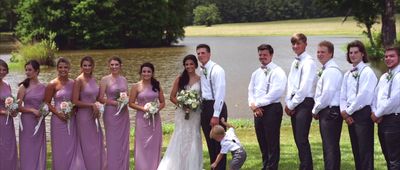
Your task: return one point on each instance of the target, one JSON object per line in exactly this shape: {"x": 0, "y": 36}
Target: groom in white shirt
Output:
{"x": 213, "y": 95}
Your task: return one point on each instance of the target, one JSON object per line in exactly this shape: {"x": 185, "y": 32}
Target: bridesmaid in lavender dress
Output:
{"x": 66, "y": 153}
{"x": 84, "y": 97}
{"x": 8, "y": 144}
{"x": 148, "y": 135}
{"x": 116, "y": 125}
{"x": 32, "y": 148}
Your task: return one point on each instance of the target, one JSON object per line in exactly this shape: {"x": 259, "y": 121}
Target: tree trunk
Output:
{"x": 369, "y": 35}
{"x": 388, "y": 23}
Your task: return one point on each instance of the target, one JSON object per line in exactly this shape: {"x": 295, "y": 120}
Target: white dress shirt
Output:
{"x": 301, "y": 80}
{"x": 218, "y": 85}
{"x": 267, "y": 85}
{"x": 357, "y": 89}
{"x": 230, "y": 142}
{"x": 385, "y": 104}
{"x": 327, "y": 92}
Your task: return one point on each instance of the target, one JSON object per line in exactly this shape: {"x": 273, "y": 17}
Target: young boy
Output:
{"x": 229, "y": 142}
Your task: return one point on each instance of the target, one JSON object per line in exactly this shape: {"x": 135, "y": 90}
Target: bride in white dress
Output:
{"x": 184, "y": 151}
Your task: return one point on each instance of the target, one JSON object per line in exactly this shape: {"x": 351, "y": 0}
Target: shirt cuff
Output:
{"x": 290, "y": 105}
{"x": 216, "y": 114}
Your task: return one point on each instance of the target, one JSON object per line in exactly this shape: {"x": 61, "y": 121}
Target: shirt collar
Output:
{"x": 209, "y": 64}
{"x": 302, "y": 56}
{"x": 396, "y": 69}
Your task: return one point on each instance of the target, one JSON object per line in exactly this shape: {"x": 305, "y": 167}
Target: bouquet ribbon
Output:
{"x": 120, "y": 107}
{"x": 38, "y": 125}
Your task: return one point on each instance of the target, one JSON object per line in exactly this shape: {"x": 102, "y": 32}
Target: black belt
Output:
{"x": 391, "y": 115}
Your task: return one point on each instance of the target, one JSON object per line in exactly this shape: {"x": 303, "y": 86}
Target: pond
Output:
{"x": 237, "y": 55}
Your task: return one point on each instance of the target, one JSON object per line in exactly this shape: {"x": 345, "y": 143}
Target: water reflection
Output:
{"x": 237, "y": 55}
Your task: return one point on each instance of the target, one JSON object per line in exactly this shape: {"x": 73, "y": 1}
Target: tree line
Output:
{"x": 144, "y": 23}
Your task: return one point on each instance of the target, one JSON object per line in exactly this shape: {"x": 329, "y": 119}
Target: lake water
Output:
{"x": 237, "y": 55}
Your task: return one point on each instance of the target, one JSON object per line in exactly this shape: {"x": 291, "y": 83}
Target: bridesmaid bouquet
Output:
{"x": 66, "y": 107}
{"x": 152, "y": 109}
{"x": 101, "y": 110}
{"x": 188, "y": 100}
{"x": 122, "y": 101}
{"x": 44, "y": 111}
{"x": 11, "y": 105}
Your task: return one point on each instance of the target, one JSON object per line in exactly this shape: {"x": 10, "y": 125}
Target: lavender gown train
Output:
{"x": 91, "y": 138}
{"x": 65, "y": 148}
{"x": 185, "y": 150}
{"x": 32, "y": 148}
{"x": 148, "y": 136}
{"x": 117, "y": 128}
{"x": 8, "y": 144}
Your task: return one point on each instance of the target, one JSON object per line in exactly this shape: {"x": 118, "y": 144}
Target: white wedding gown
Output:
{"x": 185, "y": 150}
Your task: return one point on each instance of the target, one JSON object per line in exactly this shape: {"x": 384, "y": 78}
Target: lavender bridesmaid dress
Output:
{"x": 65, "y": 145}
{"x": 117, "y": 128}
{"x": 91, "y": 138}
{"x": 8, "y": 144}
{"x": 148, "y": 136}
{"x": 32, "y": 148}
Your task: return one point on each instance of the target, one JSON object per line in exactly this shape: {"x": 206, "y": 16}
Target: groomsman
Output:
{"x": 299, "y": 98}
{"x": 387, "y": 110}
{"x": 267, "y": 85}
{"x": 213, "y": 94}
{"x": 356, "y": 97}
{"x": 326, "y": 107}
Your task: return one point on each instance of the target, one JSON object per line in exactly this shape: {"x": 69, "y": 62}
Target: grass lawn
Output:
{"x": 322, "y": 26}
{"x": 288, "y": 158}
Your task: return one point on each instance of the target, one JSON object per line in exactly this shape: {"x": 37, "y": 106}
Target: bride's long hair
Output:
{"x": 184, "y": 78}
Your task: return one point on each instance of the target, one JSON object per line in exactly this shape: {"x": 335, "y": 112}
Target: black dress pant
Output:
{"x": 362, "y": 139}
{"x": 330, "y": 127}
{"x": 389, "y": 137}
{"x": 268, "y": 132}
{"x": 214, "y": 147}
{"x": 301, "y": 122}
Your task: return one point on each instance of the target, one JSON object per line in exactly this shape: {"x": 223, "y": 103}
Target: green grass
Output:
{"x": 289, "y": 159}
{"x": 321, "y": 26}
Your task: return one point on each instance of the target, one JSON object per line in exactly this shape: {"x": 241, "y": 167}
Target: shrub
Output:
{"x": 43, "y": 52}
{"x": 206, "y": 15}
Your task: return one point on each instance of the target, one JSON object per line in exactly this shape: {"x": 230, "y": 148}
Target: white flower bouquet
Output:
{"x": 11, "y": 105}
{"x": 152, "y": 109}
{"x": 100, "y": 107}
{"x": 66, "y": 107}
{"x": 122, "y": 100}
{"x": 188, "y": 100}
{"x": 44, "y": 111}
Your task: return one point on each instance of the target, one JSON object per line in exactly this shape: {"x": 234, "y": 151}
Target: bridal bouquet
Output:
{"x": 122, "y": 101}
{"x": 188, "y": 100}
{"x": 66, "y": 107}
{"x": 11, "y": 105}
{"x": 100, "y": 107}
{"x": 44, "y": 111}
{"x": 152, "y": 109}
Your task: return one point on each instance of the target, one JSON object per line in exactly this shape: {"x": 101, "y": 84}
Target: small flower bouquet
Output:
{"x": 100, "y": 107}
{"x": 320, "y": 72}
{"x": 355, "y": 74}
{"x": 66, "y": 107}
{"x": 11, "y": 105}
{"x": 152, "y": 109}
{"x": 44, "y": 111}
{"x": 188, "y": 100}
{"x": 296, "y": 65}
{"x": 389, "y": 76}
{"x": 122, "y": 102}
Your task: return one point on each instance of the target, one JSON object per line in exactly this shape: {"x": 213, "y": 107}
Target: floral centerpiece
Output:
{"x": 122, "y": 102}
{"x": 43, "y": 111}
{"x": 11, "y": 105}
{"x": 188, "y": 100}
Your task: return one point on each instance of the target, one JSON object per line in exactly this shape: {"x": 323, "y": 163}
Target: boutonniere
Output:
{"x": 205, "y": 72}
{"x": 355, "y": 74}
{"x": 389, "y": 76}
{"x": 296, "y": 65}
{"x": 320, "y": 72}
{"x": 266, "y": 70}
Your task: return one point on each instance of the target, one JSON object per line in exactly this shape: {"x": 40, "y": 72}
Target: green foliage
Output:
{"x": 103, "y": 23}
{"x": 206, "y": 15}
{"x": 43, "y": 52}
{"x": 8, "y": 16}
